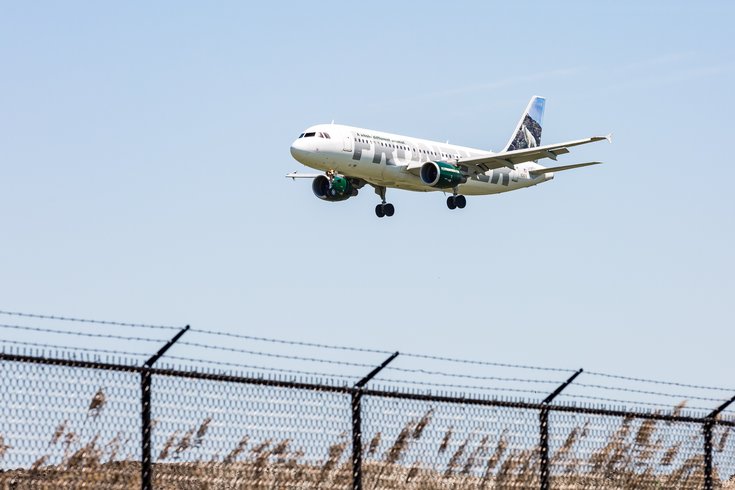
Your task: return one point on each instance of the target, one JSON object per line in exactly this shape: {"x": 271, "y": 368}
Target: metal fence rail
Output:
{"x": 90, "y": 424}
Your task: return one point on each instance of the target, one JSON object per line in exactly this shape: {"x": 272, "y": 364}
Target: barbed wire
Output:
{"x": 73, "y": 349}
{"x": 485, "y": 363}
{"x": 458, "y": 386}
{"x": 356, "y": 364}
{"x": 316, "y": 374}
{"x": 652, "y": 381}
{"x": 87, "y": 320}
{"x": 271, "y": 354}
{"x": 290, "y": 342}
{"x": 261, "y": 368}
{"x": 628, "y": 402}
{"x": 282, "y": 341}
{"x": 337, "y": 362}
{"x": 468, "y": 376}
{"x": 646, "y": 392}
{"x": 377, "y": 351}
{"x": 79, "y": 334}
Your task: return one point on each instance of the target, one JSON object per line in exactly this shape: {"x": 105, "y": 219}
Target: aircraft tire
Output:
{"x": 450, "y": 202}
{"x": 388, "y": 209}
{"x": 460, "y": 201}
{"x": 379, "y": 211}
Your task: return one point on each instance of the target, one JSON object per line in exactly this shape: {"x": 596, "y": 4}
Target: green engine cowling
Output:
{"x": 338, "y": 189}
{"x": 441, "y": 174}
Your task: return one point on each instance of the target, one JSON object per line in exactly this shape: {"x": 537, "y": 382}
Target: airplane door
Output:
{"x": 347, "y": 145}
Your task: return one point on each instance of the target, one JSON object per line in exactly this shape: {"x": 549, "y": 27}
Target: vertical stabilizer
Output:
{"x": 528, "y": 131}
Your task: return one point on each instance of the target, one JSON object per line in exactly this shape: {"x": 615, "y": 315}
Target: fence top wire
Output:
{"x": 469, "y": 376}
{"x": 485, "y": 363}
{"x": 647, "y": 392}
{"x": 659, "y": 382}
{"x": 274, "y": 355}
{"x": 459, "y": 386}
{"x": 87, "y": 320}
{"x": 72, "y": 349}
{"x": 284, "y": 341}
{"x": 346, "y": 378}
{"x": 289, "y": 342}
{"x": 375, "y": 351}
{"x": 360, "y": 364}
{"x": 262, "y": 368}
{"x": 631, "y": 402}
{"x": 79, "y": 334}
{"x": 351, "y": 362}
{"x": 451, "y": 396}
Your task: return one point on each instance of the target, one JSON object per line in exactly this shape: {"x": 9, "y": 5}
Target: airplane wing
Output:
{"x": 480, "y": 165}
{"x": 542, "y": 171}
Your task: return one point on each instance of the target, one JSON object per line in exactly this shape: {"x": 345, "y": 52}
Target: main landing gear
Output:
{"x": 456, "y": 201}
{"x": 384, "y": 208}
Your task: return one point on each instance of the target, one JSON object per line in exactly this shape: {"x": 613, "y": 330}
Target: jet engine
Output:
{"x": 338, "y": 189}
{"x": 441, "y": 174}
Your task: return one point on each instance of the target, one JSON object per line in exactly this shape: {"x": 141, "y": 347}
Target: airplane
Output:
{"x": 352, "y": 157}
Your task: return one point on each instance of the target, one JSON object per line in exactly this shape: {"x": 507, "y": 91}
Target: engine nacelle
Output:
{"x": 339, "y": 189}
{"x": 441, "y": 174}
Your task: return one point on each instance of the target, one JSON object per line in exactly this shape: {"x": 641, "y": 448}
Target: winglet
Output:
{"x": 609, "y": 137}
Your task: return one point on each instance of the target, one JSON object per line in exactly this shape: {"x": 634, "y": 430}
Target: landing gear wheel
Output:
{"x": 384, "y": 208}
{"x": 451, "y": 204}
{"x": 460, "y": 201}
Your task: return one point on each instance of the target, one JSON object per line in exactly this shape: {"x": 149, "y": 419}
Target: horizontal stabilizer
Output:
{"x": 542, "y": 171}
{"x": 296, "y": 175}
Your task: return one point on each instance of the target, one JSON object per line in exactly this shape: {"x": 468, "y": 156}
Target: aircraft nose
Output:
{"x": 297, "y": 149}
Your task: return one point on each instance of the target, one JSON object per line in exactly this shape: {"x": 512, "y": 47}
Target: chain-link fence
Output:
{"x": 78, "y": 424}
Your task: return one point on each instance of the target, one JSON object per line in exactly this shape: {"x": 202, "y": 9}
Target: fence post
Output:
{"x": 709, "y": 423}
{"x": 145, "y": 399}
{"x": 544, "y": 432}
{"x": 357, "y": 423}
{"x": 707, "y": 428}
{"x": 357, "y": 439}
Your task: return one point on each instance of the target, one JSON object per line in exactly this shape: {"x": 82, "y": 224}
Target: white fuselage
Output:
{"x": 391, "y": 160}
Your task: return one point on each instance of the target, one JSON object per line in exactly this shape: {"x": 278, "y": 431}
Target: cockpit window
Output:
{"x": 313, "y": 134}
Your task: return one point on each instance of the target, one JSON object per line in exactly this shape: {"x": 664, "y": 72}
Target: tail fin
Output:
{"x": 528, "y": 131}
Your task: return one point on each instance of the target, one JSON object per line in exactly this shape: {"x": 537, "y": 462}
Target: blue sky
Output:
{"x": 143, "y": 148}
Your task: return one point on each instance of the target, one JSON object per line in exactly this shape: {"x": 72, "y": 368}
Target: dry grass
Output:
{"x": 633, "y": 456}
